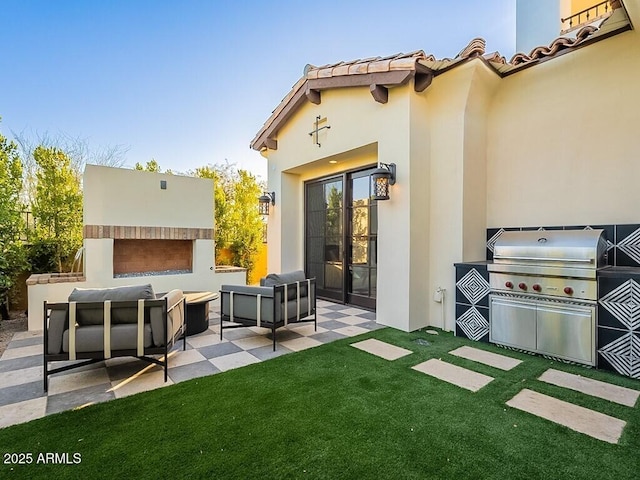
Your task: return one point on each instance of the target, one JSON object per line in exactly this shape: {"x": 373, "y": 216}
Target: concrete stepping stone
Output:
{"x": 458, "y": 376}
{"x": 580, "y": 419}
{"x": 381, "y": 349}
{"x": 595, "y": 388}
{"x": 482, "y": 356}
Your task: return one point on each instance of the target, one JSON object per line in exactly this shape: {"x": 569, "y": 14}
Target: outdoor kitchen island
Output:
{"x": 544, "y": 292}
{"x": 608, "y": 321}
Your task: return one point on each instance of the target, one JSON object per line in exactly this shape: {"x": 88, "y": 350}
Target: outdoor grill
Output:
{"x": 544, "y": 292}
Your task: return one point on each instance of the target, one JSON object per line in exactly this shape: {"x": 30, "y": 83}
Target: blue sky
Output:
{"x": 190, "y": 82}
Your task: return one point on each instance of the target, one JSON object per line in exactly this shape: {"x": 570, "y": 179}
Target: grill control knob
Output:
{"x": 568, "y": 290}
{"x": 537, "y": 288}
{"x": 522, "y": 286}
{"x": 508, "y": 284}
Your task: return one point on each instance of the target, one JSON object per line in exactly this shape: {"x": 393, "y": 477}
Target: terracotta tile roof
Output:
{"x": 419, "y": 63}
{"x": 373, "y": 65}
{"x": 555, "y": 46}
{"x": 399, "y": 61}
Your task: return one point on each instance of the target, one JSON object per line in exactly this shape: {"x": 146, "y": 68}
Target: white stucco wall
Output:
{"x": 120, "y": 196}
{"x": 563, "y": 146}
{"x": 456, "y": 106}
{"x": 362, "y": 132}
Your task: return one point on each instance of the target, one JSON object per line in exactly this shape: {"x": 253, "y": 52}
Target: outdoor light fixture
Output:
{"x": 264, "y": 201}
{"x": 381, "y": 178}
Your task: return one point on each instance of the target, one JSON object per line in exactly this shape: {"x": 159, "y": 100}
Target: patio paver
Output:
{"x": 298, "y": 344}
{"x": 595, "y": 388}
{"x": 234, "y": 360}
{"x": 12, "y": 353}
{"x": 142, "y": 382}
{"x": 488, "y": 358}
{"x": 22, "y": 411}
{"x": 77, "y": 380}
{"x": 381, "y": 349}
{"x": 459, "y": 376}
{"x": 577, "y": 418}
{"x": 351, "y": 330}
{"x": 19, "y": 377}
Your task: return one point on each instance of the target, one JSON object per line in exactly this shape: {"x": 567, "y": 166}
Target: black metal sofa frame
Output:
{"x": 143, "y": 308}
{"x": 253, "y": 306}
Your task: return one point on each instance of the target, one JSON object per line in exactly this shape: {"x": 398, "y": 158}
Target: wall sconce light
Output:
{"x": 264, "y": 201}
{"x": 381, "y": 178}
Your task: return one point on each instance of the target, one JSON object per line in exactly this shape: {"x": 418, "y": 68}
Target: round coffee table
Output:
{"x": 198, "y": 310}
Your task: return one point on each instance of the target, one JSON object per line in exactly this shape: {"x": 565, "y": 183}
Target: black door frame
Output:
{"x": 346, "y": 294}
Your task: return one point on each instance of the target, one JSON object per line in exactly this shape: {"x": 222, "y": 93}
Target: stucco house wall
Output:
{"x": 563, "y": 144}
{"x": 456, "y": 104}
{"x": 362, "y": 132}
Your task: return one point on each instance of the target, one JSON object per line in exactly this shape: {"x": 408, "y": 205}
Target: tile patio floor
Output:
{"x": 22, "y": 397}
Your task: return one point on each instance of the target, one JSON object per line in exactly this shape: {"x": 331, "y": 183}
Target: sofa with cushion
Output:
{"x": 281, "y": 299}
{"x": 101, "y": 323}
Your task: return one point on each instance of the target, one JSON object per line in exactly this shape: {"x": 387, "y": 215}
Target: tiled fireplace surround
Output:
{"x": 618, "y": 328}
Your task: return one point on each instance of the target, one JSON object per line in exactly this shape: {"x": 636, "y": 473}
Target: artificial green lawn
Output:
{"x": 335, "y": 412}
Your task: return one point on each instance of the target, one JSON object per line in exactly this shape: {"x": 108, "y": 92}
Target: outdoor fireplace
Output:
{"x": 151, "y": 257}
{"x": 144, "y": 251}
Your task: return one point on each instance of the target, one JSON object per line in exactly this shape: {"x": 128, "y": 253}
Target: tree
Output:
{"x": 238, "y": 224}
{"x": 151, "y": 166}
{"x": 57, "y": 206}
{"x": 77, "y": 150}
{"x": 12, "y": 257}
{"x": 248, "y": 222}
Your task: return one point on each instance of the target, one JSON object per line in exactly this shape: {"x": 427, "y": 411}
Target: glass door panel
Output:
{"x": 362, "y": 235}
{"x": 324, "y": 239}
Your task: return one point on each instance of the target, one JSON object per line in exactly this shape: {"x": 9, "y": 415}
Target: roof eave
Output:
{"x": 310, "y": 89}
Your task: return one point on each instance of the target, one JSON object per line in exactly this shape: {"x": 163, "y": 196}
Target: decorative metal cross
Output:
{"x": 317, "y": 130}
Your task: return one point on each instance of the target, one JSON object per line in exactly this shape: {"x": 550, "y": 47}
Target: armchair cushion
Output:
{"x": 286, "y": 278}
{"x": 58, "y": 323}
{"x": 174, "y": 317}
{"x": 280, "y": 278}
{"x": 115, "y": 294}
{"x": 123, "y": 337}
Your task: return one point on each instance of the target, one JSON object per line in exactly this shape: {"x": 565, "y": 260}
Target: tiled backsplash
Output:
{"x": 623, "y": 241}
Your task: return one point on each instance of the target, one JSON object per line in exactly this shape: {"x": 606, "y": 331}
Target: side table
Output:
{"x": 198, "y": 310}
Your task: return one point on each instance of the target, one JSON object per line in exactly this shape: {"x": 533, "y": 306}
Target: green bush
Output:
{"x": 41, "y": 256}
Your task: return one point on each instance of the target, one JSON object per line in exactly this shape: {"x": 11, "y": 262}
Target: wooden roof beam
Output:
{"x": 422, "y": 81}
{"x": 271, "y": 143}
{"x": 313, "y": 95}
{"x": 379, "y": 93}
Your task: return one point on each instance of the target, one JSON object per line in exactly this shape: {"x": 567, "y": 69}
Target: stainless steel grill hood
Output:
{"x": 565, "y": 253}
